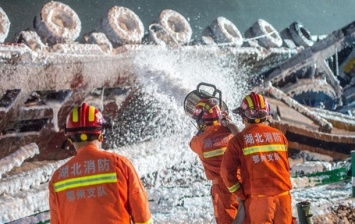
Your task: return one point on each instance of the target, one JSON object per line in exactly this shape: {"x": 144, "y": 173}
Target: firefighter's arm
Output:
{"x": 53, "y": 205}
{"x": 233, "y": 128}
{"x": 237, "y": 190}
{"x": 229, "y": 170}
{"x": 195, "y": 144}
{"x": 234, "y": 187}
{"x": 226, "y": 121}
{"x": 137, "y": 196}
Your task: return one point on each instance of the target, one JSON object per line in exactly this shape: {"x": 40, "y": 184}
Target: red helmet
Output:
{"x": 207, "y": 111}
{"x": 253, "y": 106}
{"x": 84, "y": 119}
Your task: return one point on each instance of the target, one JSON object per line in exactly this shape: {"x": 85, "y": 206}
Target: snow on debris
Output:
{"x": 17, "y": 158}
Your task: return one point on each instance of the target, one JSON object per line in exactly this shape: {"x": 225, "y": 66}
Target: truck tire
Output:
{"x": 123, "y": 26}
{"x": 269, "y": 37}
{"x": 176, "y": 25}
{"x": 249, "y": 39}
{"x": 4, "y": 25}
{"x": 300, "y": 35}
{"x": 224, "y": 31}
{"x": 57, "y": 23}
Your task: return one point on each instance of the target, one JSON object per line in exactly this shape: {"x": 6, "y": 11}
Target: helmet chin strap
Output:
{"x": 82, "y": 137}
{"x": 252, "y": 121}
{"x": 257, "y": 120}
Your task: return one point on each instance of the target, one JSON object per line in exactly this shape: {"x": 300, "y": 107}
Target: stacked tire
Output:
{"x": 4, "y": 25}
{"x": 176, "y": 25}
{"x": 298, "y": 35}
{"x": 57, "y": 23}
{"x": 224, "y": 31}
{"x": 263, "y": 34}
{"x": 122, "y": 26}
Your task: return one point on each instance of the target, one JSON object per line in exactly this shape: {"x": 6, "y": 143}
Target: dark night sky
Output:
{"x": 318, "y": 16}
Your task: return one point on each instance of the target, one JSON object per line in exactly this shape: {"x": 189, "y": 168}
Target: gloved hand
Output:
{"x": 225, "y": 119}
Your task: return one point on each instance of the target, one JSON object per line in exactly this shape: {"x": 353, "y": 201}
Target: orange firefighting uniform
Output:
{"x": 210, "y": 146}
{"x": 260, "y": 151}
{"x": 96, "y": 186}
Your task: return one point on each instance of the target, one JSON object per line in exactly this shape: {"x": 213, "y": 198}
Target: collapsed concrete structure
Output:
{"x": 46, "y": 72}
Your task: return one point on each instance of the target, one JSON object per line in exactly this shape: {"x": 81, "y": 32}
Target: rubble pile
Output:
{"x": 342, "y": 213}
{"x": 345, "y": 213}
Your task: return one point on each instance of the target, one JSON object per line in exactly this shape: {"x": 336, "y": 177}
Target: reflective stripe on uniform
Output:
{"x": 264, "y": 148}
{"x": 150, "y": 221}
{"x": 213, "y": 153}
{"x": 234, "y": 187}
{"x": 85, "y": 181}
{"x": 262, "y": 196}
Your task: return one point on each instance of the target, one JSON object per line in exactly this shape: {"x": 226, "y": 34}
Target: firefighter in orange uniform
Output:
{"x": 260, "y": 151}
{"x": 210, "y": 144}
{"x": 95, "y": 186}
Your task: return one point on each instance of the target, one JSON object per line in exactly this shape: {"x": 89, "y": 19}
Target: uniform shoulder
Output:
{"x": 273, "y": 128}
{"x": 122, "y": 159}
